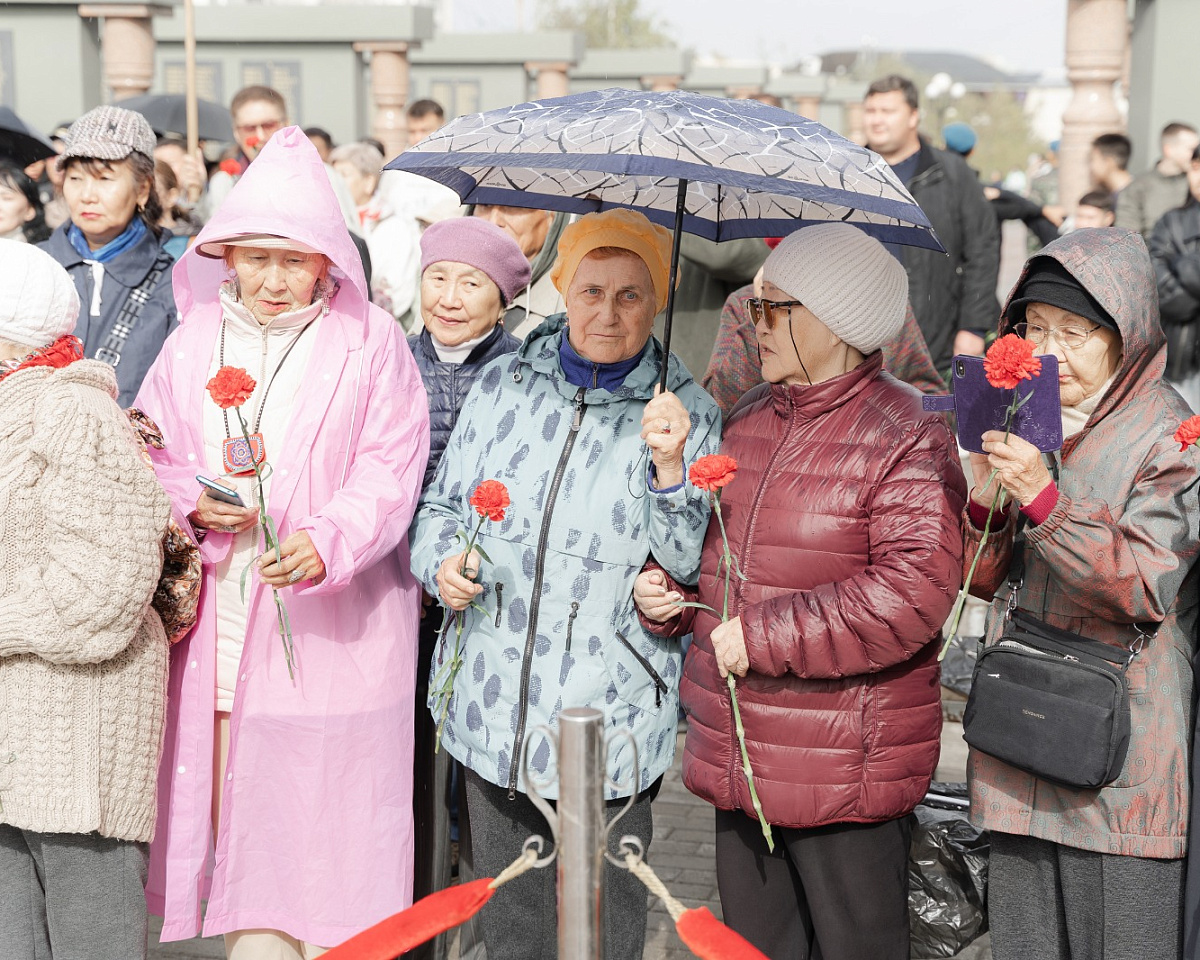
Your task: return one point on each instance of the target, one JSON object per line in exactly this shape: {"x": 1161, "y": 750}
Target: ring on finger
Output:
{"x": 296, "y": 575}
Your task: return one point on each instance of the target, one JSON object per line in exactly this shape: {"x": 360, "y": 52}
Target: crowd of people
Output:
{"x": 263, "y": 653}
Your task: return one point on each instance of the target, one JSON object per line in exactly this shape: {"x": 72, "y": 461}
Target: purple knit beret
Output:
{"x": 480, "y": 244}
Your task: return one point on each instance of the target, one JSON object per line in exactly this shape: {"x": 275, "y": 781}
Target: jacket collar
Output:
{"x": 810, "y": 402}
{"x": 928, "y": 163}
{"x": 129, "y": 269}
{"x": 486, "y": 350}
{"x": 540, "y": 351}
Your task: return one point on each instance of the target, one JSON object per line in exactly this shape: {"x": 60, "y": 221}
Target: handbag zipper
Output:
{"x": 535, "y": 599}
{"x": 660, "y": 685}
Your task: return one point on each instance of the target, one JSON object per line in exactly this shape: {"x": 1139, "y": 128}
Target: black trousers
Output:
{"x": 521, "y": 921}
{"x": 828, "y": 893}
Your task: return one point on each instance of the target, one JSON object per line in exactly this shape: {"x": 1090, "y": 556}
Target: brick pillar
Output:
{"x": 389, "y": 93}
{"x": 126, "y": 45}
{"x": 551, "y": 78}
{"x": 854, "y": 122}
{"x": 1097, "y": 41}
{"x": 809, "y": 107}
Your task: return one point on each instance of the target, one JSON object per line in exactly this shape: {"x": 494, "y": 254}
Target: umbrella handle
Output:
{"x": 675, "y": 240}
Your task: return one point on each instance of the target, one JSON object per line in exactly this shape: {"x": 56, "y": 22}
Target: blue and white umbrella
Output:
{"x": 719, "y": 169}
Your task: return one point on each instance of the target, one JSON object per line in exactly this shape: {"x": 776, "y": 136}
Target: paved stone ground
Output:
{"x": 682, "y": 855}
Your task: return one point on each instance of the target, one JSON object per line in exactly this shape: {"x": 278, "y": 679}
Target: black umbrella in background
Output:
{"x": 19, "y": 142}
{"x": 167, "y": 113}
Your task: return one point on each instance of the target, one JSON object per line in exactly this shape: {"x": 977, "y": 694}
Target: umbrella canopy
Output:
{"x": 719, "y": 169}
{"x": 752, "y": 170}
{"x": 167, "y": 113}
{"x": 19, "y": 142}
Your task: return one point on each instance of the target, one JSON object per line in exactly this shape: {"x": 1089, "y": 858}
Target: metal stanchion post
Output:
{"x": 581, "y": 834}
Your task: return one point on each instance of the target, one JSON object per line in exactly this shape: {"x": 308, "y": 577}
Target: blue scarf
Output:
{"x": 584, "y": 373}
{"x": 114, "y": 248}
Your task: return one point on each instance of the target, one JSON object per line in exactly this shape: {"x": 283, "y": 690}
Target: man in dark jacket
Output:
{"x": 954, "y": 297}
{"x": 1175, "y": 252}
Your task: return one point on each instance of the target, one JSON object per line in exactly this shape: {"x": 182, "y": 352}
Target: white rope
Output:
{"x": 524, "y": 863}
{"x": 641, "y": 870}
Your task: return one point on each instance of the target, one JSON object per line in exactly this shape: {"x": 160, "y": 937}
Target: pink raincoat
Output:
{"x": 316, "y": 832}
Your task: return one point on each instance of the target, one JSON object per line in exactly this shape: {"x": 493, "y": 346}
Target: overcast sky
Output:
{"x": 1023, "y": 34}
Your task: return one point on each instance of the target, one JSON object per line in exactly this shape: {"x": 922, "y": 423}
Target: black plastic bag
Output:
{"x": 947, "y": 875}
{"x": 958, "y": 666}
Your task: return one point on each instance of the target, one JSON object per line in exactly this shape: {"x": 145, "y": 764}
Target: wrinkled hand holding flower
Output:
{"x": 711, "y": 474}
{"x": 229, "y": 388}
{"x": 1008, "y": 362}
{"x": 457, "y": 589}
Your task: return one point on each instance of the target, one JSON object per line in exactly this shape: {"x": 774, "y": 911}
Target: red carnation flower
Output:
{"x": 1009, "y": 361}
{"x": 1188, "y": 433}
{"x": 253, "y": 141}
{"x": 713, "y": 472}
{"x": 489, "y": 499}
{"x": 231, "y": 167}
{"x": 231, "y": 387}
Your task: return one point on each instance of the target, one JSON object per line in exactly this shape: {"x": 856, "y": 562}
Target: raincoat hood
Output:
{"x": 284, "y": 192}
{"x": 1114, "y": 266}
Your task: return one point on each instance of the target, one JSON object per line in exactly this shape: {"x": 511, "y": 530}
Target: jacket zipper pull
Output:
{"x": 577, "y": 422}
{"x": 571, "y": 621}
{"x": 499, "y": 598}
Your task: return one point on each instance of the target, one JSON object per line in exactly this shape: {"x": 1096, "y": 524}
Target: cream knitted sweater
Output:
{"x": 83, "y": 656}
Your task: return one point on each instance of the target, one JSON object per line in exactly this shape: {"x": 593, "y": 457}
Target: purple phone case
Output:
{"x": 979, "y": 407}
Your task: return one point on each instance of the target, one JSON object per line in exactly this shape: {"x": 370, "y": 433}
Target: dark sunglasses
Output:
{"x": 767, "y": 311}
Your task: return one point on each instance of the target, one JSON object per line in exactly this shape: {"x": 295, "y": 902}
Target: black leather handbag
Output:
{"x": 1051, "y": 702}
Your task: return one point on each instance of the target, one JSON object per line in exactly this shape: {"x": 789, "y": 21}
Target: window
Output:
{"x": 209, "y": 81}
{"x": 457, "y": 97}
{"x": 281, "y": 75}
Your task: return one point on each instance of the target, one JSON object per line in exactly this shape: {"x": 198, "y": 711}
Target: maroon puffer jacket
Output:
{"x": 845, "y": 517}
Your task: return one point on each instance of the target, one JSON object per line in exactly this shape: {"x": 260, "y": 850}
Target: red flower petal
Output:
{"x": 230, "y": 387}
{"x": 490, "y": 499}
{"x": 713, "y": 472}
{"x": 1009, "y": 361}
{"x": 1188, "y": 433}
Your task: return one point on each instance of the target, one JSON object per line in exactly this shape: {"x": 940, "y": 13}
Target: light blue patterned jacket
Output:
{"x": 561, "y": 629}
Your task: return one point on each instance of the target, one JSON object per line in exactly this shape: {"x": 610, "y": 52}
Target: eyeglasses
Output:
{"x": 766, "y": 311}
{"x": 246, "y": 129}
{"x": 1071, "y": 338}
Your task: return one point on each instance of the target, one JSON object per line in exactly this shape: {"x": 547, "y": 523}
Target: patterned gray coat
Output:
{"x": 561, "y": 629}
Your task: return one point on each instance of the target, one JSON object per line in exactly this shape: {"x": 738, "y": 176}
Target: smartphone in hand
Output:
{"x": 980, "y": 407}
{"x": 218, "y": 492}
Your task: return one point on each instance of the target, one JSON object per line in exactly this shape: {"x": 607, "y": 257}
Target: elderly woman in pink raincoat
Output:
{"x": 298, "y": 787}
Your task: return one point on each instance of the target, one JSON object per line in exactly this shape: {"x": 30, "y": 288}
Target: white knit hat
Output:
{"x": 38, "y": 302}
{"x": 846, "y": 278}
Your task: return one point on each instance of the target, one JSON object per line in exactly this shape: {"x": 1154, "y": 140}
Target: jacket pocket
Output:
{"x": 1143, "y": 727}
{"x": 636, "y": 679}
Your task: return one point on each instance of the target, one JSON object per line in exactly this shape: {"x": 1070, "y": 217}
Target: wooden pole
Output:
{"x": 189, "y": 60}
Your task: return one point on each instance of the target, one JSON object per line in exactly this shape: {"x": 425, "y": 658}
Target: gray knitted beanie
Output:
{"x": 846, "y": 278}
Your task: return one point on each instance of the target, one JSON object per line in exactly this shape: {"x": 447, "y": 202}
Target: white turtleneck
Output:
{"x": 258, "y": 348}
{"x": 459, "y": 353}
{"x": 1075, "y": 418}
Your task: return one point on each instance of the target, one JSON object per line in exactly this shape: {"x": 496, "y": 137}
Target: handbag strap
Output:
{"x": 131, "y": 311}
{"x": 1146, "y": 630}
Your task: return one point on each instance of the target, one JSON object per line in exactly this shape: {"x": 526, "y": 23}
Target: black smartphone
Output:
{"x": 219, "y": 492}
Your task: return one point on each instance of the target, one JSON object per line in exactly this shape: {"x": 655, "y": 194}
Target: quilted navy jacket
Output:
{"x": 448, "y": 384}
